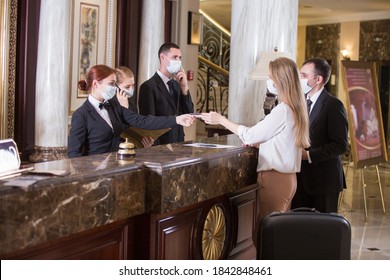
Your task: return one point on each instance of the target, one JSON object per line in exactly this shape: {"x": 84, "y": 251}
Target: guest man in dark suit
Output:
{"x": 166, "y": 93}
{"x": 322, "y": 178}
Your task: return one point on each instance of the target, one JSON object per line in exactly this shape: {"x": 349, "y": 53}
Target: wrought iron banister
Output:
{"x": 213, "y": 87}
{"x": 213, "y": 69}
{"x": 213, "y": 65}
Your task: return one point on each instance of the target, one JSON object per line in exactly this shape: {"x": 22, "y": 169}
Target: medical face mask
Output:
{"x": 129, "y": 93}
{"x": 305, "y": 86}
{"x": 271, "y": 88}
{"x": 174, "y": 66}
{"x": 109, "y": 92}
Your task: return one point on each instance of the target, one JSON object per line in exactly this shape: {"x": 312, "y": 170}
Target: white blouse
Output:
{"x": 276, "y": 136}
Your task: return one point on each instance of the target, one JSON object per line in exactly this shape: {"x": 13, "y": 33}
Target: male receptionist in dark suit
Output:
{"x": 166, "y": 93}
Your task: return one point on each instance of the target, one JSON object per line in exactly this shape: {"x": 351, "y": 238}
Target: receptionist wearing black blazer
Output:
{"x": 97, "y": 124}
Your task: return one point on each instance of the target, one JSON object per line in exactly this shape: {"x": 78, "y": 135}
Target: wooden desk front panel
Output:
{"x": 178, "y": 235}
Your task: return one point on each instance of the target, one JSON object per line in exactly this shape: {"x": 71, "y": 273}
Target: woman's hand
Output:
{"x": 257, "y": 145}
{"x": 147, "y": 142}
{"x": 211, "y": 118}
{"x": 216, "y": 118}
{"x": 185, "y": 120}
{"x": 122, "y": 98}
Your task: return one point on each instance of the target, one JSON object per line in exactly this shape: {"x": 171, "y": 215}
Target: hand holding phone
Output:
{"x": 180, "y": 76}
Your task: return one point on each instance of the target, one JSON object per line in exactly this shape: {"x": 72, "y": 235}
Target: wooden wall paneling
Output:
{"x": 109, "y": 242}
{"x": 179, "y": 235}
{"x": 175, "y": 235}
{"x": 168, "y": 21}
{"x": 128, "y": 32}
{"x": 244, "y": 211}
{"x": 26, "y": 61}
{"x": 143, "y": 238}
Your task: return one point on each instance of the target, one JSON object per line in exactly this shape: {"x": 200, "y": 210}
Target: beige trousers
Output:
{"x": 276, "y": 190}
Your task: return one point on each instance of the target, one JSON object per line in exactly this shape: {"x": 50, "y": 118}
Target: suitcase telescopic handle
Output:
{"x": 304, "y": 209}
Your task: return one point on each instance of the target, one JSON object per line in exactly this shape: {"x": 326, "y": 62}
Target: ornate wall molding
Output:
{"x": 12, "y": 67}
{"x": 3, "y": 67}
{"x": 111, "y": 5}
{"x": 42, "y": 154}
{"x": 8, "y": 16}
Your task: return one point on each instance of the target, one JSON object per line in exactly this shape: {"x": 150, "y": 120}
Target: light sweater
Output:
{"x": 276, "y": 136}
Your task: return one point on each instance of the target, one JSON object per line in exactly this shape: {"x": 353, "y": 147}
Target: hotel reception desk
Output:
{"x": 177, "y": 201}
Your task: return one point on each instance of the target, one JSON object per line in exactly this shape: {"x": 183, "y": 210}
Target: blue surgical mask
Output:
{"x": 271, "y": 88}
{"x": 129, "y": 92}
{"x": 109, "y": 92}
{"x": 305, "y": 86}
{"x": 174, "y": 66}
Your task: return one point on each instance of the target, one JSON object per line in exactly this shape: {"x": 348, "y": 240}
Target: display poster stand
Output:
{"x": 368, "y": 146}
{"x": 364, "y": 186}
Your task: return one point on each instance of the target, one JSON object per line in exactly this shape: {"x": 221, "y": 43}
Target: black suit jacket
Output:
{"x": 90, "y": 134}
{"x": 154, "y": 99}
{"x": 329, "y": 140}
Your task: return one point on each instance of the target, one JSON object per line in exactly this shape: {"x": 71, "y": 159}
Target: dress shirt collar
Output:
{"x": 95, "y": 103}
{"x": 315, "y": 96}
{"x": 163, "y": 77}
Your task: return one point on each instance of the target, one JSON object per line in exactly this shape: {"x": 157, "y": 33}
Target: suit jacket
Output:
{"x": 328, "y": 139}
{"x": 90, "y": 134}
{"x": 154, "y": 99}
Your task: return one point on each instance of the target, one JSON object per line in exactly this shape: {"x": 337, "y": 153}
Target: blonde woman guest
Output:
{"x": 282, "y": 135}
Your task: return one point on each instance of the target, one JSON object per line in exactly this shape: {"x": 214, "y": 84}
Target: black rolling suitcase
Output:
{"x": 304, "y": 234}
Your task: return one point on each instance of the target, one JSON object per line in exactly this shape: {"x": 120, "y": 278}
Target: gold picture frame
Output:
{"x": 92, "y": 42}
{"x": 195, "y": 28}
{"x": 88, "y": 41}
{"x": 364, "y": 113}
{"x": 8, "y": 18}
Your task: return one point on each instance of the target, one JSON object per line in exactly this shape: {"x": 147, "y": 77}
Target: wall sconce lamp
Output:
{"x": 261, "y": 70}
{"x": 346, "y": 54}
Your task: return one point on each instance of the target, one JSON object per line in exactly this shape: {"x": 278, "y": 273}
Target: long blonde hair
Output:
{"x": 285, "y": 75}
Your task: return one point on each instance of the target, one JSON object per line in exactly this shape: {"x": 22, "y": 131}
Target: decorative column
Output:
{"x": 52, "y": 82}
{"x": 152, "y": 36}
{"x": 257, "y": 26}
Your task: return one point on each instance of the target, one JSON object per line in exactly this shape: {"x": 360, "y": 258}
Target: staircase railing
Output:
{"x": 213, "y": 69}
{"x": 213, "y": 87}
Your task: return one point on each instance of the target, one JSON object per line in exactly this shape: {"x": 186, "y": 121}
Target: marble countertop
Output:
{"x": 161, "y": 157}
{"x": 102, "y": 189}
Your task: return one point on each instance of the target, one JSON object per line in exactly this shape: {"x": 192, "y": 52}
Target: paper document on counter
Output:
{"x": 209, "y": 145}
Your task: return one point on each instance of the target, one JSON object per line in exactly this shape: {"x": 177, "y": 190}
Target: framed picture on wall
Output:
{"x": 195, "y": 28}
{"x": 87, "y": 47}
{"x": 91, "y": 41}
{"x": 364, "y": 113}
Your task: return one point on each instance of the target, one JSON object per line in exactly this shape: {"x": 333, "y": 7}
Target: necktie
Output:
{"x": 105, "y": 105}
{"x": 170, "y": 85}
{"x": 308, "y": 103}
